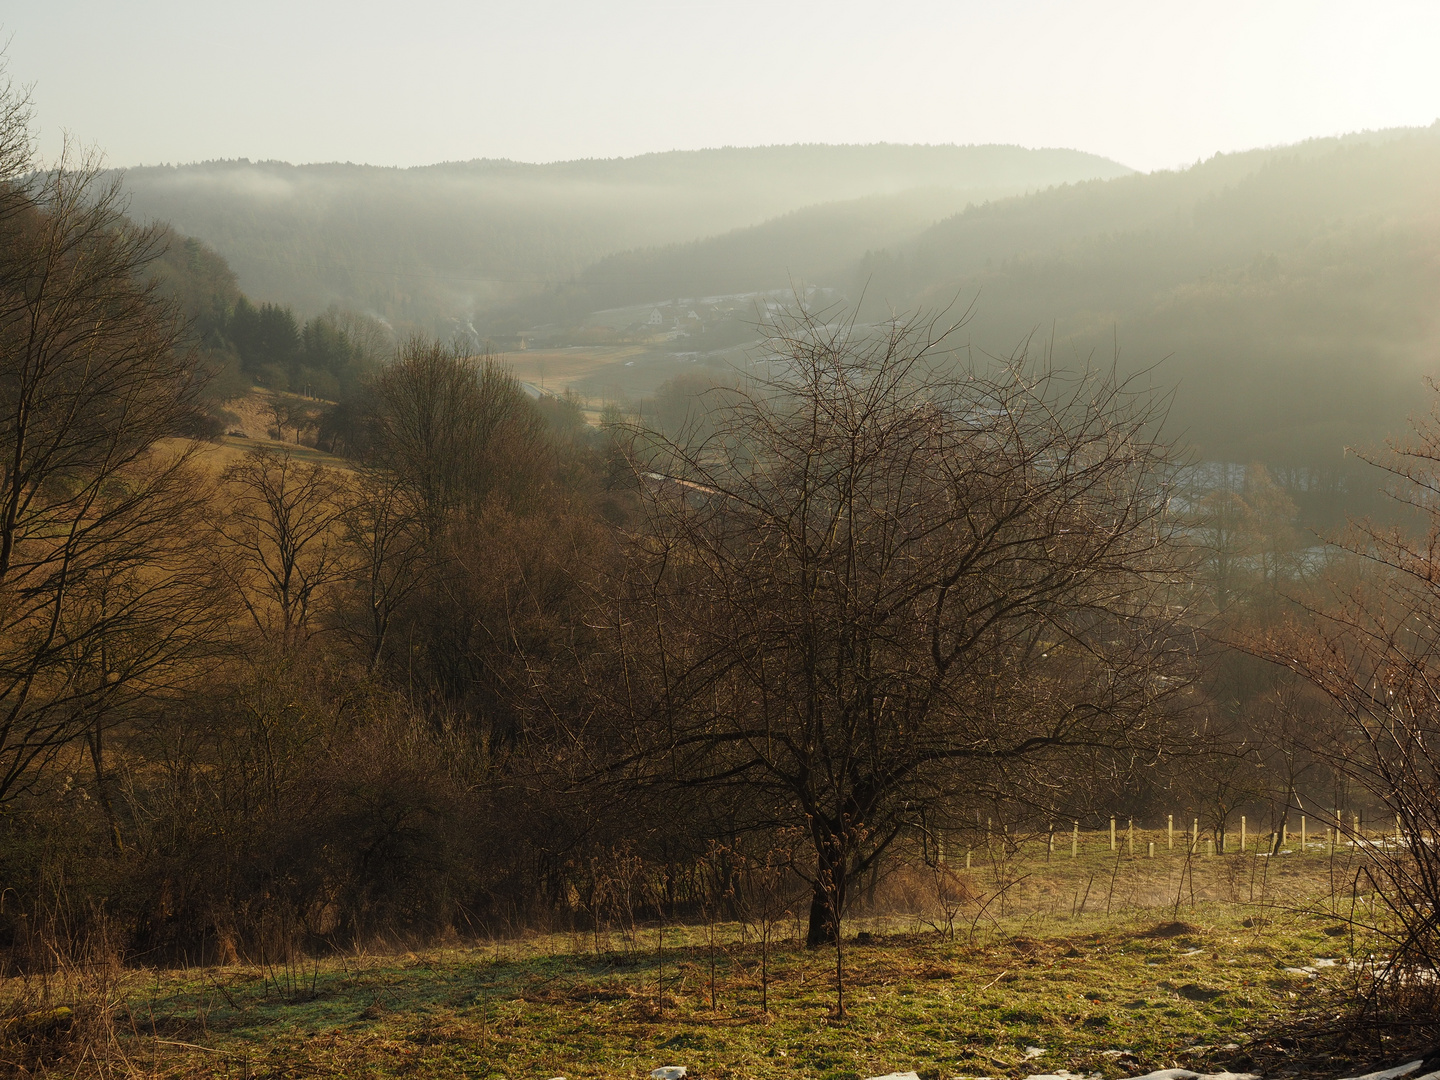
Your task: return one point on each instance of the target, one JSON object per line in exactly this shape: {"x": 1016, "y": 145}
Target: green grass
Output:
{"x": 1043, "y": 974}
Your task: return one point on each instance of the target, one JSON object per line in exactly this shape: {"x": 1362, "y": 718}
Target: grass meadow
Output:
{"x": 1029, "y": 962}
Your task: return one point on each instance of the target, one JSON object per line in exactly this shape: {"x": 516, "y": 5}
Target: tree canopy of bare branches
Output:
{"x": 283, "y": 528}
{"x": 456, "y": 429}
{"x": 1372, "y": 647}
{"x": 101, "y": 591}
{"x": 384, "y": 526}
{"x": 884, "y": 578}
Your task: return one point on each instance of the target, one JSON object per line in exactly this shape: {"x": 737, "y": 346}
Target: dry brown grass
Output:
{"x": 559, "y": 368}
{"x": 66, "y": 1011}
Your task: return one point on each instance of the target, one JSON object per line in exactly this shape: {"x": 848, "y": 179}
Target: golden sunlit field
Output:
{"x": 555, "y": 369}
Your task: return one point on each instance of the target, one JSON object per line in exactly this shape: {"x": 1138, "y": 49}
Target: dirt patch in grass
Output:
{"x": 1171, "y": 930}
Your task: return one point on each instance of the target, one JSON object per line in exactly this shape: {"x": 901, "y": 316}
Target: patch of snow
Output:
{"x": 1408, "y": 1071}
{"x": 1399, "y": 1070}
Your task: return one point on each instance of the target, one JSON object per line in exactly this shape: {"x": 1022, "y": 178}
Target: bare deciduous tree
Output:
{"x": 282, "y": 527}
{"x": 455, "y": 428}
{"x": 101, "y": 594}
{"x": 1373, "y": 650}
{"x": 883, "y": 578}
{"x": 1245, "y": 526}
{"x": 16, "y": 142}
{"x": 299, "y": 416}
{"x": 384, "y": 525}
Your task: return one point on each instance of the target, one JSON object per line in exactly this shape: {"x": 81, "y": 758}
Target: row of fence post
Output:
{"x": 1332, "y": 836}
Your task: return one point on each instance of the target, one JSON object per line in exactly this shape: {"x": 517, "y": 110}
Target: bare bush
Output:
{"x": 1373, "y": 650}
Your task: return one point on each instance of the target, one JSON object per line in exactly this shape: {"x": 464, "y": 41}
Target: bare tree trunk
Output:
{"x": 102, "y": 793}
{"x": 822, "y": 930}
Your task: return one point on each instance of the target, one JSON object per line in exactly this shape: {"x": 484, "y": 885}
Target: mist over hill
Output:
{"x": 815, "y": 244}
{"x": 1288, "y": 294}
{"x": 446, "y": 242}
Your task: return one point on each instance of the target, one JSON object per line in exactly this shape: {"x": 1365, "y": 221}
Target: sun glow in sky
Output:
{"x": 1151, "y": 83}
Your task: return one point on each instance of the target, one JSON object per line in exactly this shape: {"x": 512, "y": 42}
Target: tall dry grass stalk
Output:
{"x": 63, "y": 1005}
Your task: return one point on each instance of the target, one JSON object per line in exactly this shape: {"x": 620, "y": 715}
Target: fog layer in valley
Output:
{"x": 452, "y": 240}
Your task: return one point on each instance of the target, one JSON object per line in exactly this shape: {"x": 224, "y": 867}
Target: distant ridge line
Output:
{"x": 648, "y": 156}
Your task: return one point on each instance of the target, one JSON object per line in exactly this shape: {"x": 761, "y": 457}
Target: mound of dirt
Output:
{"x": 1171, "y": 930}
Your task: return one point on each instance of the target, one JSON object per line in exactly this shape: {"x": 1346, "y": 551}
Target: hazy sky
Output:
{"x": 1152, "y": 83}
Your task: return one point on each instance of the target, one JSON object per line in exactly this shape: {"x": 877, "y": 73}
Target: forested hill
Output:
{"x": 1290, "y": 294}
{"x": 448, "y": 241}
{"x": 1293, "y": 291}
{"x": 815, "y": 244}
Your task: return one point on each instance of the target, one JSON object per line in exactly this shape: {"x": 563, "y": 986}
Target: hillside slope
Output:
{"x": 815, "y": 244}
{"x": 1291, "y": 294}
